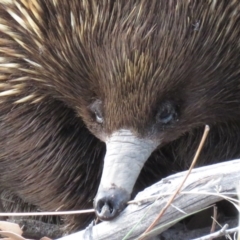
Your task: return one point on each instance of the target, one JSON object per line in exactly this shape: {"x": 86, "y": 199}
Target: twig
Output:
{"x": 214, "y": 220}
{"x": 219, "y": 233}
{"x": 21, "y": 214}
{"x": 206, "y": 131}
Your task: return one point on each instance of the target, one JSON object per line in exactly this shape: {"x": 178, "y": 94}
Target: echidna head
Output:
{"x": 139, "y": 73}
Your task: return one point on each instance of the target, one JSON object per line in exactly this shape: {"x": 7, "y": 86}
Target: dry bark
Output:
{"x": 220, "y": 178}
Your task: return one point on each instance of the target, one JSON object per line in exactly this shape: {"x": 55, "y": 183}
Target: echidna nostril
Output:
{"x": 110, "y": 206}
{"x": 105, "y": 208}
{"x": 109, "y": 203}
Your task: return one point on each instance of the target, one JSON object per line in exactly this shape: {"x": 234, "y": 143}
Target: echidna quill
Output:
{"x": 124, "y": 84}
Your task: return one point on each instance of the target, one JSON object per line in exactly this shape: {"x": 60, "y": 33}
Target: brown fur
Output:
{"x": 58, "y": 57}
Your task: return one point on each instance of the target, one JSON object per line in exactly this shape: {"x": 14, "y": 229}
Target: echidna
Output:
{"x": 139, "y": 77}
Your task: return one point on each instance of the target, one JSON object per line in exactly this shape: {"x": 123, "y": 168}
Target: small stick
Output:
{"x": 213, "y": 228}
{"x": 221, "y": 232}
{"x": 205, "y": 133}
{"x": 22, "y": 214}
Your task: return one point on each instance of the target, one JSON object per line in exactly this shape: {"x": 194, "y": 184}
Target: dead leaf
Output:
{"x": 12, "y": 227}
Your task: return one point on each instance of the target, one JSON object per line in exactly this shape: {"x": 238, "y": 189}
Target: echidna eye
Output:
{"x": 166, "y": 114}
{"x": 99, "y": 119}
{"x": 96, "y": 109}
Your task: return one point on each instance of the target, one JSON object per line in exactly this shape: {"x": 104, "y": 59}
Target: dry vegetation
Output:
{"x": 166, "y": 203}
